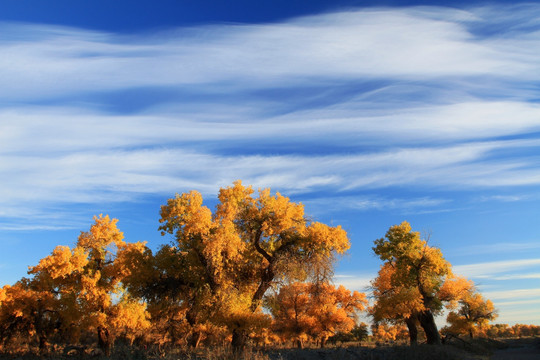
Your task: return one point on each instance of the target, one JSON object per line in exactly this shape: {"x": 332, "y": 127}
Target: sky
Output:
{"x": 370, "y": 113}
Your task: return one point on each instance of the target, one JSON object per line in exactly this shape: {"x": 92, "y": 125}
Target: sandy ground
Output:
{"x": 530, "y": 351}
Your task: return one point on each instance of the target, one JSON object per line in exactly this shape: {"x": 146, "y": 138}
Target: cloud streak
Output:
{"x": 489, "y": 269}
{"x": 502, "y": 248}
{"x": 415, "y": 43}
{"x": 360, "y": 283}
{"x": 350, "y": 101}
{"x": 80, "y": 176}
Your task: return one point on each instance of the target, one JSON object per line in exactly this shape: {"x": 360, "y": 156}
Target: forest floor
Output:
{"x": 519, "y": 349}
{"x": 454, "y": 349}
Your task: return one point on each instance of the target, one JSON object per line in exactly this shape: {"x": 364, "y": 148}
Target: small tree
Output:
{"x": 318, "y": 311}
{"x": 473, "y": 315}
{"x": 384, "y": 332}
{"x": 360, "y": 332}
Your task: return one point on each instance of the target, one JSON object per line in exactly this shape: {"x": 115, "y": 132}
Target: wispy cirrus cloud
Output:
{"x": 513, "y": 294}
{"x": 490, "y": 269}
{"x": 359, "y": 282}
{"x": 419, "y": 43}
{"x": 71, "y": 129}
{"x": 77, "y": 176}
{"x": 502, "y": 248}
{"x": 518, "y": 302}
{"x": 518, "y": 276}
{"x": 522, "y": 315}
{"x": 347, "y": 101}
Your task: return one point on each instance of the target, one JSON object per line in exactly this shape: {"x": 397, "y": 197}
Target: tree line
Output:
{"x": 257, "y": 270}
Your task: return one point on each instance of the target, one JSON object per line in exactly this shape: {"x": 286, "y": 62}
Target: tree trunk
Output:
{"x": 299, "y": 344}
{"x": 239, "y": 340}
{"x": 195, "y": 339}
{"x": 413, "y": 330}
{"x": 427, "y": 321}
{"x": 323, "y": 342}
{"x": 104, "y": 341}
{"x": 43, "y": 345}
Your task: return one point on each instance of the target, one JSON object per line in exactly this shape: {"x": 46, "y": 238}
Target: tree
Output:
{"x": 384, "y": 332}
{"x": 237, "y": 253}
{"x": 129, "y": 319}
{"x": 28, "y": 312}
{"x": 473, "y": 315}
{"x": 413, "y": 282}
{"x": 303, "y": 310}
{"x": 84, "y": 280}
{"x": 360, "y": 332}
{"x": 499, "y": 330}
{"x": 290, "y": 309}
{"x": 520, "y": 330}
{"x": 395, "y": 302}
{"x": 176, "y": 290}
{"x": 399, "y": 304}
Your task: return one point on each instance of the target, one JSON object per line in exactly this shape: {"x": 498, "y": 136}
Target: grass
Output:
{"x": 456, "y": 349}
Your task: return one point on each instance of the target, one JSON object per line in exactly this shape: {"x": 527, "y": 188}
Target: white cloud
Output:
{"x": 530, "y": 315}
{"x": 355, "y": 282}
{"x": 518, "y": 276}
{"x": 501, "y": 248}
{"x": 157, "y": 170}
{"x": 518, "y": 303}
{"x": 43, "y": 61}
{"x": 71, "y": 129}
{"x": 430, "y": 118}
{"x": 517, "y": 294}
{"x": 38, "y": 179}
{"x": 367, "y": 203}
{"x": 505, "y": 198}
{"x": 489, "y": 269}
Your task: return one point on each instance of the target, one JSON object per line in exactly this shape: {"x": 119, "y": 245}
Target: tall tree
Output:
{"x": 411, "y": 280}
{"x": 244, "y": 247}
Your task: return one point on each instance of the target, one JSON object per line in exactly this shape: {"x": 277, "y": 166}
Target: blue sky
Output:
{"x": 370, "y": 113}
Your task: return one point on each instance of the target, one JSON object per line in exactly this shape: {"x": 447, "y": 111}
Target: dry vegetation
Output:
{"x": 478, "y": 349}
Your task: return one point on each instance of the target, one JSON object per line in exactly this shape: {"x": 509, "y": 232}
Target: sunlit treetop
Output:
{"x": 248, "y": 230}
{"x": 416, "y": 263}
{"x": 102, "y": 236}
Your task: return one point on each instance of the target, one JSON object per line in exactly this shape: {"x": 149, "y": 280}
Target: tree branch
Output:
{"x": 260, "y": 250}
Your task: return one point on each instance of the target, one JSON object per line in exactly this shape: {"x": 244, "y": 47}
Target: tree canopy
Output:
{"x": 256, "y": 267}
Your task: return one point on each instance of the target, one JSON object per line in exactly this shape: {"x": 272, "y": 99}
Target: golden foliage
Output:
{"x": 229, "y": 259}
{"x": 210, "y": 284}
{"x": 473, "y": 315}
{"x": 317, "y": 311}
{"x": 414, "y": 280}
{"x": 73, "y": 290}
